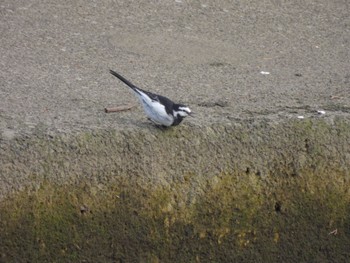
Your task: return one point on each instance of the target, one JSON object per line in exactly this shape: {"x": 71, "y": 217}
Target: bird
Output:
{"x": 162, "y": 111}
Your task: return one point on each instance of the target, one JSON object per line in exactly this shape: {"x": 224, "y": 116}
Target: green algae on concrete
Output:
{"x": 238, "y": 217}
{"x": 255, "y": 190}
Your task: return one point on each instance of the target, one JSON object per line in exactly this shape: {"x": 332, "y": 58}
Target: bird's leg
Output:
{"x": 159, "y": 126}
{"x": 162, "y": 127}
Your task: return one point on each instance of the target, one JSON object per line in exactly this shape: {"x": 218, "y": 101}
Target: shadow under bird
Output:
{"x": 159, "y": 109}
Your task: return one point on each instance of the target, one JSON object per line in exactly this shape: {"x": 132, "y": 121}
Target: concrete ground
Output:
{"x": 211, "y": 55}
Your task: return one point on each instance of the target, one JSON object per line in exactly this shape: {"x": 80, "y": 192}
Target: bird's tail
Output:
{"x": 123, "y": 79}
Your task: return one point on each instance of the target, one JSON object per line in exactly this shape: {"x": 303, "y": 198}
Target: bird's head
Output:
{"x": 182, "y": 111}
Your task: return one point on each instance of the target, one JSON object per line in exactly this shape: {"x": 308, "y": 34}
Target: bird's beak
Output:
{"x": 192, "y": 115}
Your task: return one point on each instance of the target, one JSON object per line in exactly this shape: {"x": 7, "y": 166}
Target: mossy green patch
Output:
{"x": 237, "y": 217}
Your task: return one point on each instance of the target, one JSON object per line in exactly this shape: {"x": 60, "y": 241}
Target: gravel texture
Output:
{"x": 211, "y": 55}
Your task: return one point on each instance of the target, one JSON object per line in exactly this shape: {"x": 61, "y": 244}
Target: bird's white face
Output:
{"x": 183, "y": 111}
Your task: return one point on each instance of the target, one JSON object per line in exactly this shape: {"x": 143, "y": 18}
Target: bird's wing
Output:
{"x": 146, "y": 95}
{"x": 168, "y": 104}
{"x": 151, "y": 95}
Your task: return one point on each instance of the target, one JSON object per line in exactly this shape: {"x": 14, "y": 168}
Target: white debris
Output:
{"x": 178, "y": 1}
{"x": 265, "y": 72}
{"x": 321, "y": 112}
{"x": 300, "y": 117}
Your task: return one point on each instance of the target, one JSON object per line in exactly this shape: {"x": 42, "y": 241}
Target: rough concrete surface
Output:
{"x": 248, "y": 69}
{"x": 55, "y": 58}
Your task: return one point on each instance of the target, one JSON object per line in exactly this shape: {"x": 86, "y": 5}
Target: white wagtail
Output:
{"x": 159, "y": 109}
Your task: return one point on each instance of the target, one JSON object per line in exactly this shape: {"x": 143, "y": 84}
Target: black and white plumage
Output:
{"x": 159, "y": 109}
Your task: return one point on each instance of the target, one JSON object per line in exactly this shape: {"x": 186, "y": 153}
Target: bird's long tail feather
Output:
{"x": 123, "y": 79}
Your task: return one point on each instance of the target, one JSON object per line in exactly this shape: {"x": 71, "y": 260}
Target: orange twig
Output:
{"x": 119, "y": 108}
